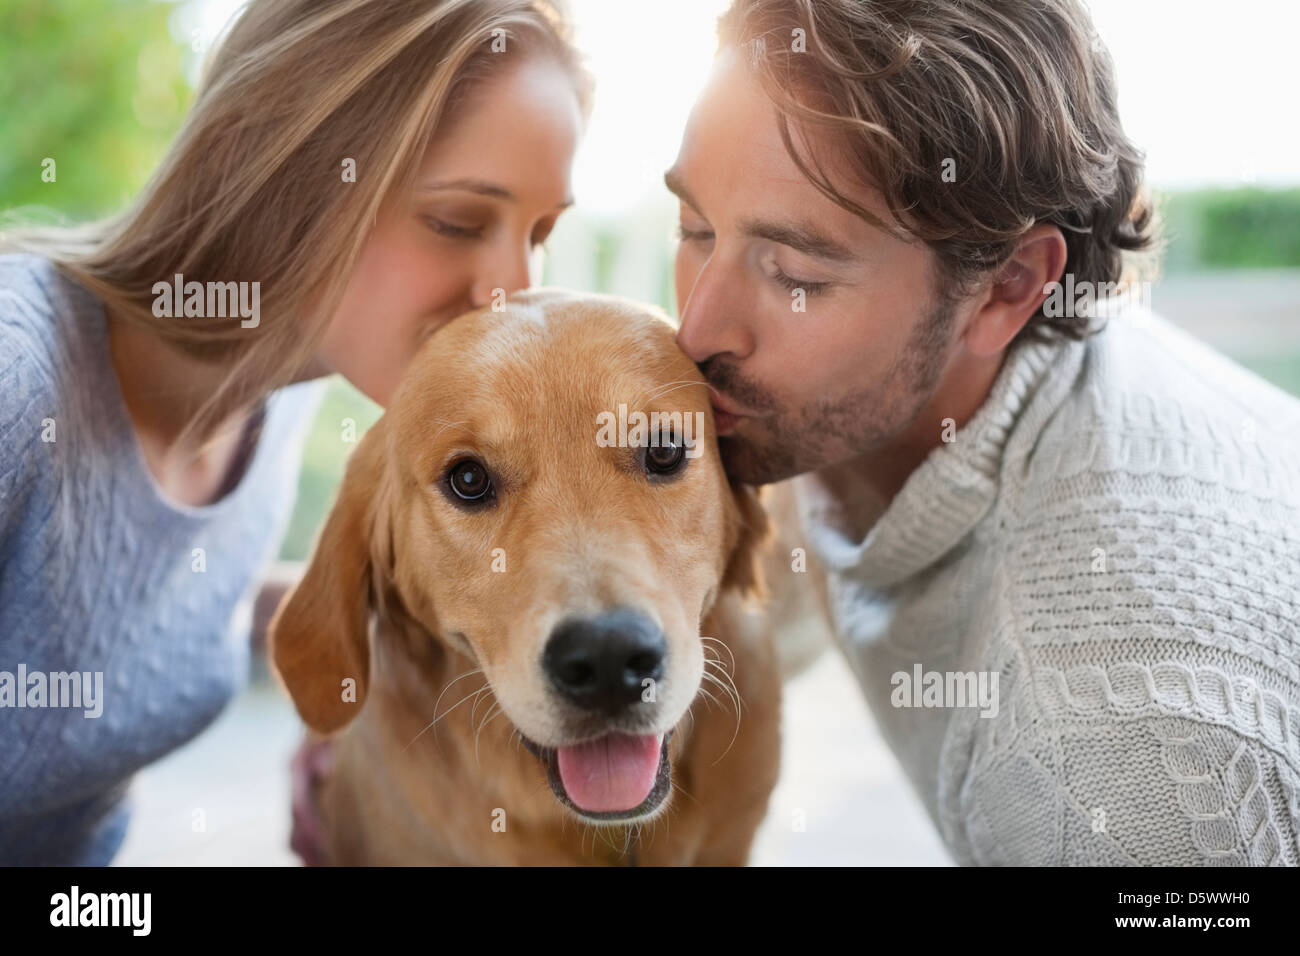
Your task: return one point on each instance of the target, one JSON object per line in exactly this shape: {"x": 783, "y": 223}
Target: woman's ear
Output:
{"x": 749, "y": 532}
{"x": 319, "y": 637}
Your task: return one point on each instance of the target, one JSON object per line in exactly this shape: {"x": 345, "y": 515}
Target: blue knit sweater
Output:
{"x": 108, "y": 591}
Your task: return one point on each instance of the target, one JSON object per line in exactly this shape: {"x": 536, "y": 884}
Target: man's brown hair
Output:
{"x": 1014, "y": 99}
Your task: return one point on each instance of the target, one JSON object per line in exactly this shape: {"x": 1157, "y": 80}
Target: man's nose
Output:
{"x": 713, "y": 320}
{"x": 602, "y": 663}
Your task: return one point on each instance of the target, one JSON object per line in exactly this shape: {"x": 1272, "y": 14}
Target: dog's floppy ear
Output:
{"x": 749, "y": 532}
{"x": 319, "y": 637}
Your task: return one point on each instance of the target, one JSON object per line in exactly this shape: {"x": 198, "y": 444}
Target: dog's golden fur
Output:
{"x": 437, "y": 614}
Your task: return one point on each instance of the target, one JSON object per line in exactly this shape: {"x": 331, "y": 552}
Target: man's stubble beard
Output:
{"x": 824, "y": 432}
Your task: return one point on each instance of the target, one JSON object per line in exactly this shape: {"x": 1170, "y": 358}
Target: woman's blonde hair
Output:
{"x": 253, "y": 187}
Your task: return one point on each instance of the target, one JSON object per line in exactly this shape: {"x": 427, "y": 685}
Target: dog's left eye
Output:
{"x": 664, "y": 458}
{"x": 469, "y": 481}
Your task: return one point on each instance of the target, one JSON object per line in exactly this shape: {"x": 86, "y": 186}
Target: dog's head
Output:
{"x": 544, "y": 496}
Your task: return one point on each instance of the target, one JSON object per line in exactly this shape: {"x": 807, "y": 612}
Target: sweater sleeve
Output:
{"x": 1171, "y": 763}
{"x": 21, "y": 422}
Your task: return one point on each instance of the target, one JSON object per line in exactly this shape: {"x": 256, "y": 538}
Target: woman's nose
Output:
{"x": 508, "y": 270}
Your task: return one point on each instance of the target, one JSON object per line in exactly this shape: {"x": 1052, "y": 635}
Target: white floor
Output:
{"x": 841, "y": 781}
{"x": 224, "y": 799}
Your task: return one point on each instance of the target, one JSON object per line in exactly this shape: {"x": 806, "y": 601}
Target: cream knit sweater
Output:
{"x": 1114, "y": 538}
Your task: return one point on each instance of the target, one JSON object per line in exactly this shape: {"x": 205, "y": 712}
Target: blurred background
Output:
{"x": 1207, "y": 93}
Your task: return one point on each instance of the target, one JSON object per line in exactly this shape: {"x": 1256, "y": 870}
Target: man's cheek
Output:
{"x": 685, "y": 272}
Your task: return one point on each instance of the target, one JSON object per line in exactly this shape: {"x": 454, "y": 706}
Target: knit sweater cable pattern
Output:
{"x": 1116, "y": 535}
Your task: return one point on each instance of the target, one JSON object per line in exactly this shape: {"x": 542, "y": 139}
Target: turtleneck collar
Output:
{"x": 953, "y": 487}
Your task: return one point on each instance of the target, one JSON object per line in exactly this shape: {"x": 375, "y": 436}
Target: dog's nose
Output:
{"x": 602, "y": 662}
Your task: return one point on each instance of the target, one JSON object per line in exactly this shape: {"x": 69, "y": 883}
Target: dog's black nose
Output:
{"x": 602, "y": 662}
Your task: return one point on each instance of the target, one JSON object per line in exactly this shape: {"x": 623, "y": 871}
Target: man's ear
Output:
{"x": 749, "y": 532}
{"x": 319, "y": 637}
{"x": 1018, "y": 290}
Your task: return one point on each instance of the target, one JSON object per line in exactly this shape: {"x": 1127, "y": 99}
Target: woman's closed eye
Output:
{"x": 542, "y": 231}
{"x": 452, "y": 230}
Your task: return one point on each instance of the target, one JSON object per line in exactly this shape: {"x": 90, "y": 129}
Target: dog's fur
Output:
{"x": 438, "y": 615}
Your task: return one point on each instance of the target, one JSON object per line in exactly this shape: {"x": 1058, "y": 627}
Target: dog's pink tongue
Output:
{"x": 615, "y": 772}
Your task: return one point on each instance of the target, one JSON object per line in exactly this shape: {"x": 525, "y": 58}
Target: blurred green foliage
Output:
{"x": 1282, "y": 370}
{"x": 95, "y": 85}
{"x": 1244, "y": 228}
{"x": 342, "y": 419}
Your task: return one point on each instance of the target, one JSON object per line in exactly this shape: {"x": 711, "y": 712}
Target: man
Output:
{"x": 1061, "y": 538}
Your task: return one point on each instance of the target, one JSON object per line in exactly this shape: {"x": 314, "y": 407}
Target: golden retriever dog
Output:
{"x": 529, "y": 617}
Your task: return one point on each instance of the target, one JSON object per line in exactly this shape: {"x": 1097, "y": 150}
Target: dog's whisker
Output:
{"x": 493, "y": 712}
{"x": 665, "y": 388}
{"x": 722, "y": 682}
{"x": 729, "y": 688}
{"x": 437, "y": 717}
{"x": 721, "y": 669}
{"x": 692, "y": 717}
{"x": 610, "y": 838}
{"x": 473, "y": 711}
{"x": 709, "y": 696}
{"x": 719, "y": 673}
{"x": 686, "y": 793}
{"x": 469, "y": 673}
{"x": 446, "y": 424}
{"x": 494, "y": 715}
{"x": 673, "y": 808}
{"x": 723, "y": 645}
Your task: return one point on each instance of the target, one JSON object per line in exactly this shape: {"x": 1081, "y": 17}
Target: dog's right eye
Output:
{"x": 469, "y": 481}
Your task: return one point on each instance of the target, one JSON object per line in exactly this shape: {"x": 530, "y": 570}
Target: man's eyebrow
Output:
{"x": 799, "y": 236}
{"x": 480, "y": 187}
{"x": 673, "y": 180}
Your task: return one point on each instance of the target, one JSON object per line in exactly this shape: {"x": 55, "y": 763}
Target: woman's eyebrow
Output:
{"x": 479, "y": 187}
{"x": 469, "y": 185}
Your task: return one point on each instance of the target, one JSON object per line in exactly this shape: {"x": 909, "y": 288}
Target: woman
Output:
{"x": 352, "y": 175}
